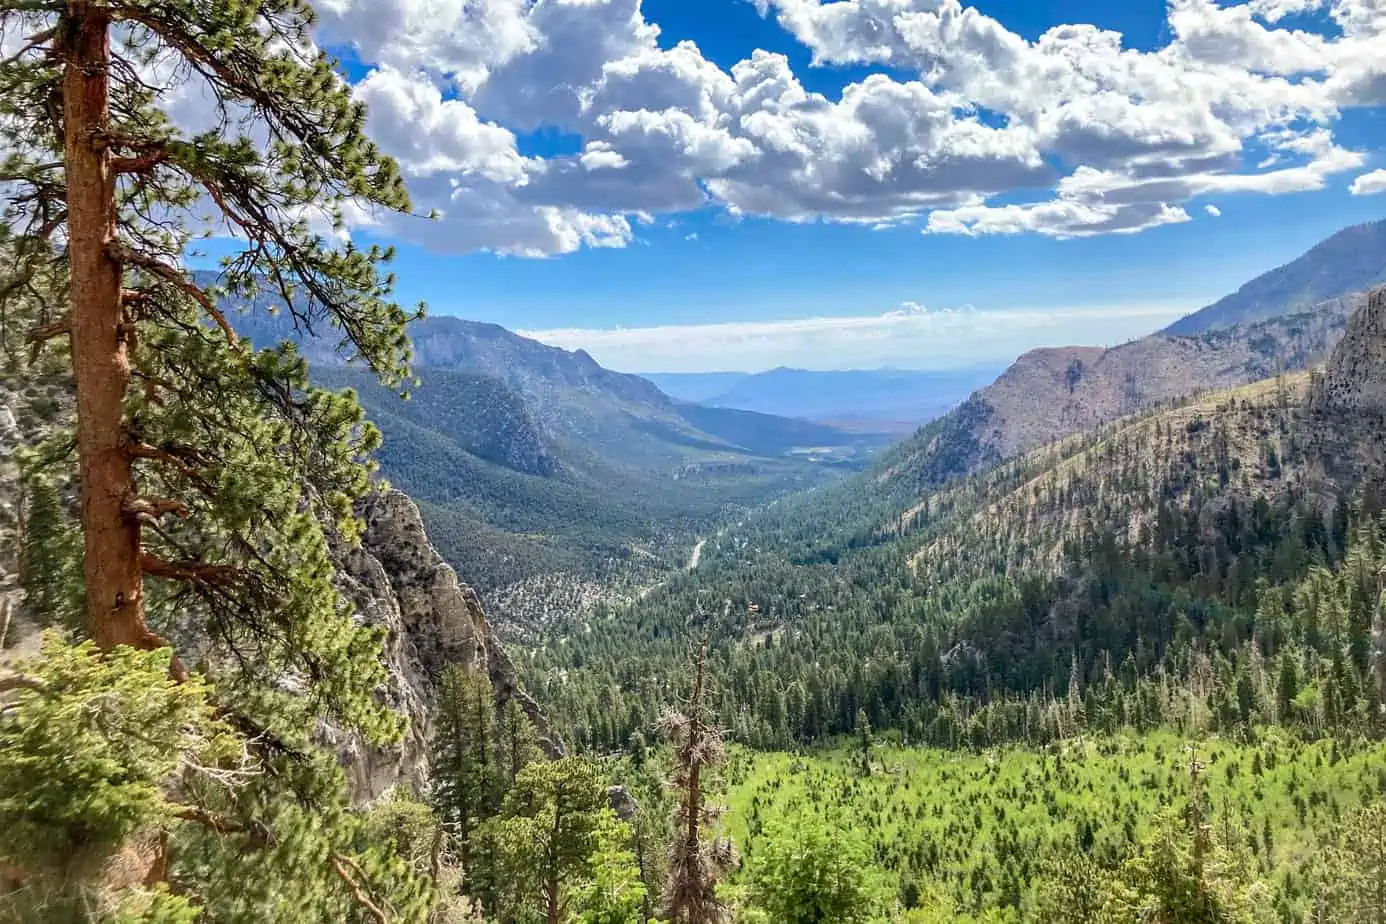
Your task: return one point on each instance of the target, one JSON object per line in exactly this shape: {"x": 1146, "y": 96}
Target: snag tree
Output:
{"x": 696, "y": 861}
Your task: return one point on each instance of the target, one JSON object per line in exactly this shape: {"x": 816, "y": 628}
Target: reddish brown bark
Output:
{"x": 115, "y": 604}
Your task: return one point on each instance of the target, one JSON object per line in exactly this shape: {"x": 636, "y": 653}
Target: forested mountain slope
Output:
{"x": 1353, "y": 260}
{"x": 509, "y": 504}
{"x": 1178, "y": 542}
{"x": 1281, "y": 321}
{"x": 1051, "y": 393}
{"x": 550, "y": 481}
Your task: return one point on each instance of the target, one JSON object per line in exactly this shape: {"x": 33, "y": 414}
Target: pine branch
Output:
{"x": 47, "y": 332}
{"x": 21, "y": 682}
{"x": 191, "y": 572}
{"x": 154, "y": 508}
{"x": 34, "y": 42}
{"x": 184, "y": 459}
{"x": 340, "y": 865}
{"x": 50, "y": 227}
{"x": 259, "y": 225}
{"x": 142, "y": 163}
{"x": 178, "y": 280}
{"x": 260, "y": 836}
{"x": 214, "y": 67}
{"x": 26, "y": 175}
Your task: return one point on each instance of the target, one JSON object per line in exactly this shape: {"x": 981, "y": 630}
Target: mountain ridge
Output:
{"x": 1352, "y": 260}
{"x": 1050, "y": 393}
{"x": 547, "y": 478}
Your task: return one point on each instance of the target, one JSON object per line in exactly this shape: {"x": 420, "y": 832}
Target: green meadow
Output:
{"x": 975, "y": 836}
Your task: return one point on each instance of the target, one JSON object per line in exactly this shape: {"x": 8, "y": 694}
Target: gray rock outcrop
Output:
{"x": 397, "y": 579}
{"x": 1355, "y": 377}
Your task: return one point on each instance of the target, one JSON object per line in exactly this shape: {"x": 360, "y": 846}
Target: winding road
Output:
{"x": 697, "y": 556}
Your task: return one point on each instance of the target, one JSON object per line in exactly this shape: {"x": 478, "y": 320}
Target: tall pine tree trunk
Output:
{"x": 112, "y": 554}
{"x": 552, "y": 908}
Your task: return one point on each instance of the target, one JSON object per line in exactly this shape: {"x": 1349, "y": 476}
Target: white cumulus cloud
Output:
{"x": 960, "y": 124}
{"x": 1370, "y": 184}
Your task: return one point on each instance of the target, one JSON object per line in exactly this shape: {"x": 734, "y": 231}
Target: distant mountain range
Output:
{"x": 882, "y": 399}
{"x": 529, "y": 461}
{"x": 1353, "y": 260}
{"x": 701, "y": 387}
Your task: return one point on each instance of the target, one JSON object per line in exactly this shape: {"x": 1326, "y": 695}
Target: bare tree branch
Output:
{"x": 20, "y": 682}
{"x": 154, "y": 508}
{"x": 340, "y": 865}
{"x": 191, "y": 572}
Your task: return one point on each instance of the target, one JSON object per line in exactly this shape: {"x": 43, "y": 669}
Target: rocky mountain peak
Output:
{"x": 1051, "y": 393}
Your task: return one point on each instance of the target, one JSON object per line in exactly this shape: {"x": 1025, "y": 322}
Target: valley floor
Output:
{"x": 976, "y": 836}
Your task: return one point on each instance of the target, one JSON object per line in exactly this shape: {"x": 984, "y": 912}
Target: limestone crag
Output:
{"x": 1355, "y": 377}
{"x": 397, "y": 579}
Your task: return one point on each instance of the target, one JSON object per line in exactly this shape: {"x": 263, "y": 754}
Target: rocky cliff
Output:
{"x": 397, "y": 579}
{"x": 1355, "y": 378}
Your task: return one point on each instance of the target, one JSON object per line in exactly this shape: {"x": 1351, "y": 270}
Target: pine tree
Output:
{"x": 636, "y": 748}
{"x": 519, "y": 746}
{"x": 212, "y": 474}
{"x": 865, "y": 742}
{"x": 1286, "y": 688}
{"x": 1075, "y": 699}
{"x": 90, "y": 747}
{"x": 696, "y": 863}
{"x": 814, "y": 872}
{"x": 52, "y": 591}
{"x": 109, "y": 187}
{"x": 1246, "y": 696}
{"x": 613, "y": 892}
{"x": 551, "y": 826}
{"x": 1074, "y": 891}
{"x": 1177, "y": 877}
{"x": 464, "y": 772}
{"x": 1357, "y": 868}
{"x": 650, "y": 840}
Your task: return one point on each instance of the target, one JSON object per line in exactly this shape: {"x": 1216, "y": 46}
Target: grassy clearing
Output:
{"x": 971, "y": 834}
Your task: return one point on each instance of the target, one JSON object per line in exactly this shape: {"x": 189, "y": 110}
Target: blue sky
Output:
{"x": 716, "y": 205}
